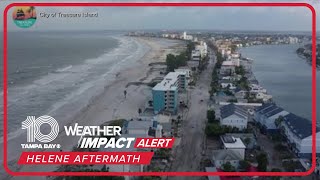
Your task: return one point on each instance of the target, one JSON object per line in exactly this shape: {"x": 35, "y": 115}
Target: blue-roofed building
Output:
{"x": 267, "y": 114}
{"x": 234, "y": 116}
{"x": 298, "y": 132}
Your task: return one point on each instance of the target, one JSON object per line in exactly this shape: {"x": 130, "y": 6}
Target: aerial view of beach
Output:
{"x": 159, "y": 90}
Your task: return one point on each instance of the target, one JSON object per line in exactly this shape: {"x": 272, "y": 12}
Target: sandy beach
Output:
{"x": 111, "y": 104}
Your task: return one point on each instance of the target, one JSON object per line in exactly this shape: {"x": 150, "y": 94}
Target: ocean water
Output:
{"x": 60, "y": 73}
{"x": 285, "y": 75}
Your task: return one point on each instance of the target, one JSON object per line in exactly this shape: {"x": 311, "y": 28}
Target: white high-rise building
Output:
{"x": 184, "y": 35}
{"x": 293, "y": 40}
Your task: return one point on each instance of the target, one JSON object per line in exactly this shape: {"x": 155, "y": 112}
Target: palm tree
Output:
{"x": 30, "y": 11}
{"x": 278, "y": 121}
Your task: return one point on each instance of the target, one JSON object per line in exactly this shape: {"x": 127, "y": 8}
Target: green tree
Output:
{"x": 240, "y": 70}
{"x": 278, "y": 121}
{"x": 243, "y": 83}
{"x": 280, "y": 147}
{"x": 262, "y": 159}
{"x": 247, "y": 141}
{"x": 214, "y": 130}
{"x": 211, "y": 115}
{"x": 170, "y": 61}
{"x": 104, "y": 168}
{"x": 233, "y": 48}
{"x": 244, "y": 165}
{"x": 174, "y": 62}
{"x": 227, "y": 167}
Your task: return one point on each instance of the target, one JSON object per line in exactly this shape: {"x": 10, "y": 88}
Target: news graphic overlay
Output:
{"x": 96, "y": 141}
{"x": 33, "y": 125}
{"x": 24, "y": 16}
{"x": 131, "y": 102}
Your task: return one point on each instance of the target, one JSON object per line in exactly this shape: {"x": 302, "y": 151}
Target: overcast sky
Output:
{"x": 215, "y": 18}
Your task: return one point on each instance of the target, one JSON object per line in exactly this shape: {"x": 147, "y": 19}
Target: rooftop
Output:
{"x": 225, "y": 81}
{"x": 139, "y": 124}
{"x": 301, "y": 127}
{"x": 227, "y": 63}
{"x": 269, "y": 109}
{"x": 239, "y": 90}
{"x": 232, "y": 142}
{"x": 225, "y": 155}
{"x": 168, "y": 82}
{"x": 253, "y": 81}
{"x": 230, "y": 109}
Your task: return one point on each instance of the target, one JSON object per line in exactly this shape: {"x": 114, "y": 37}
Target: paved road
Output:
{"x": 189, "y": 152}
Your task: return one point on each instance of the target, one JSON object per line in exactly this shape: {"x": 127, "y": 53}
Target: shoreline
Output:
{"x": 111, "y": 104}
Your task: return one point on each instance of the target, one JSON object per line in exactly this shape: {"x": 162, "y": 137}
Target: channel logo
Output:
{"x": 24, "y": 16}
{"x": 32, "y": 125}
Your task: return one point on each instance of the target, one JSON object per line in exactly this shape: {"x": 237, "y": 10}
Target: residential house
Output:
{"x": 264, "y": 96}
{"x": 224, "y": 83}
{"x": 248, "y": 139}
{"x": 227, "y": 68}
{"x": 221, "y": 157}
{"x": 234, "y": 116}
{"x": 166, "y": 122}
{"x": 133, "y": 129}
{"x": 256, "y": 88}
{"x": 240, "y": 93}
{"x": 267, "y": 114}
{"x": 253, "y": 82}
{"x": 121, "y": 167}
{"x": 235, "y": 61}
{"x": 235, "y": 144}
{"x": 232, "y": 78}
{"x": 235, "y": 55}
{"x": 142, "y": 128}
{"x": 298, "y": 132}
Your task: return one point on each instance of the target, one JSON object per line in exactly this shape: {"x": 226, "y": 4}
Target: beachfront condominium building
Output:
{"x": 165, "y": 93}
{"x": 187, "y": 71}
